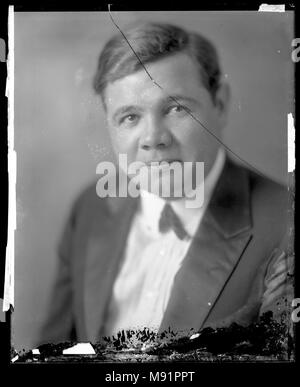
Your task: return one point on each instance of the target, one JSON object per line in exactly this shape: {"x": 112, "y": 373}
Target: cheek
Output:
{"x": 196, "y": 144}
{"x": 123, "y": 142}
{"x": 204, "y": 129}
{"x": 190, "y": 138}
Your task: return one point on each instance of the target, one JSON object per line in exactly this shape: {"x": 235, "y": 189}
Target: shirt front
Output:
{"x": 151, "y": 261}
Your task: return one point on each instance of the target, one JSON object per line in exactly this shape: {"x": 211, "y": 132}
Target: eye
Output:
{"x": 129, "y": 119}
{"x": 177, "y": 109}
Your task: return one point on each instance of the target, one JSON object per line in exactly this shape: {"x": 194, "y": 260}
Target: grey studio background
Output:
{"x": 60, "y": 132}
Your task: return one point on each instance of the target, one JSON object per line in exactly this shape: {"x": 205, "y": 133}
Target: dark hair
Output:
{"x": 151, "y": 42}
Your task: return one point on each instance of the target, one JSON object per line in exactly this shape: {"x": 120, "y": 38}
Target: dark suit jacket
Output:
{"x": 224, "y": 275}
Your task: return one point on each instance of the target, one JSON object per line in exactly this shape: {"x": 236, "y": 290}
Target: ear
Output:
{"x": 222, "y": 101}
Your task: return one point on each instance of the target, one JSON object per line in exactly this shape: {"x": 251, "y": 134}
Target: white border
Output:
{"x": 291, "y": 143}
{"x": 12, "y": 170}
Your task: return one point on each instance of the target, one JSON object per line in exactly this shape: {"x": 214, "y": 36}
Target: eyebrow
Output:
{"x": 177, "y": 98}
{"x": 181, "y": 98}
{"x": 123, "y": 110}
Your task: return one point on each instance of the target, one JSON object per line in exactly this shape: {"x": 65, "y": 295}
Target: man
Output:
{"x": 156, "y": 261}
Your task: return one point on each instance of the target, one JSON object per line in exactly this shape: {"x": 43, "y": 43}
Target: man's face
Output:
{"x": 146, "y": 123}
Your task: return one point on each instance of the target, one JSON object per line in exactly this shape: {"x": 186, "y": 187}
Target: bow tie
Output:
{"x": 169, "y": 220}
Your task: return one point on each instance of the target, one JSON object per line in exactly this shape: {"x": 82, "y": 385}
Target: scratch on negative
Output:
{"x": 176, "y": 101}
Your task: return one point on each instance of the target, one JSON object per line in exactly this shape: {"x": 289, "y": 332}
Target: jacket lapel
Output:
{"x": 215, "y": 251}
{"x": 104, "y": 254}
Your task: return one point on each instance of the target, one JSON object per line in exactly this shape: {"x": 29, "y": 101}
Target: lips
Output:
{"x": 162, "y": 162}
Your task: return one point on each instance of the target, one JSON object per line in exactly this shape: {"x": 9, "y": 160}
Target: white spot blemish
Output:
{"x": 271, "y": 8}
{"x": 291, "y": 143}
{"x": 14, "y": 359}
{"x": 195, "y": 336}
{"x": 80, "y": 349}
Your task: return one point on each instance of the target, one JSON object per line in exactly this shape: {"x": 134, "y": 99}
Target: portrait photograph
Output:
{"x": 154, "y": 191}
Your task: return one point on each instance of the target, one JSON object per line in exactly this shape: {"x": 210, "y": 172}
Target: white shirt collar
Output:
{"x": 152, "y": 205}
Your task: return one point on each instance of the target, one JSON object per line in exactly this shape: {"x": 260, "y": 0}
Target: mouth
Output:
{"x": 162, "y": 163}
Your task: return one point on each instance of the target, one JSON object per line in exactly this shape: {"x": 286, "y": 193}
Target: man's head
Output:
{"x": 151, "y": 42}
{"x": 158, "y": 86}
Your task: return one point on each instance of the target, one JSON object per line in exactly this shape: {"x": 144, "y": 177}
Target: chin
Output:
{"x": 167, "y": 189}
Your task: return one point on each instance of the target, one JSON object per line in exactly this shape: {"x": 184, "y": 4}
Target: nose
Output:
{"x": 155, "y": 135}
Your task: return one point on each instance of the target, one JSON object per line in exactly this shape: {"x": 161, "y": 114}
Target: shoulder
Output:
{"x": 88, "y": 202}
{"x": 267, "y": 194}
{"x": 269, "y": 205}
{"x": 265, "y": 200}
{"x": 90, "y": 205}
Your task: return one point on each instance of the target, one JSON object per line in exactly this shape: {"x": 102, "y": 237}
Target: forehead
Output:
{"x": 176, "y": 75}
